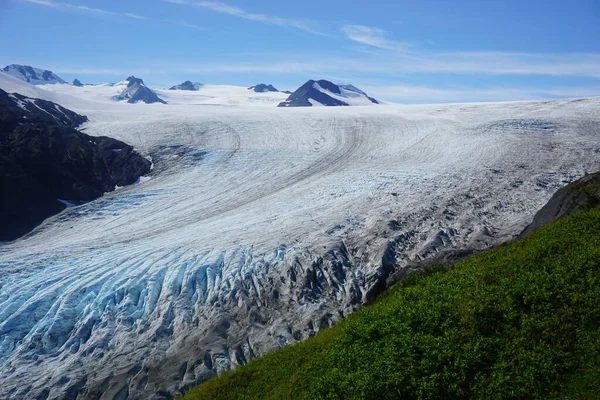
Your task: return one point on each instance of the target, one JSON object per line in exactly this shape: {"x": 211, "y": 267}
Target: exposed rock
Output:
{"x": 583, "y": 194}
{"x": 325, "y": 93}
{"x": 262, "y": 88}
{"x": 44, "y": 159}
{"x": 77, "y": 83}
{"x": 187, "y": 85}
{"x": 137, "y": 91}
{"x": 35, "y": 76}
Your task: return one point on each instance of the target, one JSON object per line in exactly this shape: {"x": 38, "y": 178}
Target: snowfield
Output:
{"x": 258, "y": 226}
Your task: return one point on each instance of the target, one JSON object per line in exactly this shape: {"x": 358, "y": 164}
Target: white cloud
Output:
{"x": 263, "y": 18}
{"x": 83, "y": 8}
{"x": 371, "y": 36}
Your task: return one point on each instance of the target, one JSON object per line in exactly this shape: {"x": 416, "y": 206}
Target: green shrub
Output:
{"x": 518, "y": 322}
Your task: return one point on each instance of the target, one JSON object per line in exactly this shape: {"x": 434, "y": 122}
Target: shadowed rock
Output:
{"x": 44, "y": 159}
{"x": 581, "y": 195}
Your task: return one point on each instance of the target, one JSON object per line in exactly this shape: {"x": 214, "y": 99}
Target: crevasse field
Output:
{"x": 258, "y": 226}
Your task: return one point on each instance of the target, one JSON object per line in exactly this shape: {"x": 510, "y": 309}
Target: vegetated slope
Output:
{"x": 521, "y": 321}
{"x": 45, "y": 163}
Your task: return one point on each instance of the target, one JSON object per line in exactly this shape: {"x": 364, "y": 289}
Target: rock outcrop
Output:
{"x": 580, "y": 195}
{"x": 263, "y": 88}
{"x": 137, "y": 91}
{"x": 187, "y": 85}
{"x": 35, "y": 76}
{"x": 325, "y": 93}
{"x": 46, "y": 164}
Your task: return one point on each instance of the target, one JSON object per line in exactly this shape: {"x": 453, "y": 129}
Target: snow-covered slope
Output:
{"x": 35, "y": 76}
{"x": 325, "y": 93}
{"x": 224, "y": 95}
{"x": 258, "y": 228}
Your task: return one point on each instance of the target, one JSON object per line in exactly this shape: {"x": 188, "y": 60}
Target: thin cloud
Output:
{"x": 83, "y": 8}
{"x": 424, "y": 94}
{"x": 189, "y": 25}
{"x": 372, "y": 37}
{"x": 262, "y": 18}
{"x": 401, "y": 64}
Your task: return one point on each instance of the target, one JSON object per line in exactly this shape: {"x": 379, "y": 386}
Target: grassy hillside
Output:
{"x": 518, "y": 322}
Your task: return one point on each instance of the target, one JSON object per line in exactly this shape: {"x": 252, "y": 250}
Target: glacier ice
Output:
{"x": 257, "y": 229}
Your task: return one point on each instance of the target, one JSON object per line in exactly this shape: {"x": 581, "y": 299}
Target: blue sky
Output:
{"x": 406, "y": 51}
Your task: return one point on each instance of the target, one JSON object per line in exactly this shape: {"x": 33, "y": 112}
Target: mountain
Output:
{"x": 77, "y": 82}
{"x": 45, "y": 164}
{"x": 262, "y": 88}
{"x": 137, "y": 91}
{"x": 35, "y": 76}
{"x": 325, "y": 93}
{"x": 187, "y": 85}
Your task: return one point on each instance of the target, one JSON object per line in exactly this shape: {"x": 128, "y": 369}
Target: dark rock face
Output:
{"x": 137, "y": 91}
{"x": 581, "y": 195}
{"x": 187, "y": 85}
{"x": 43, "y": 159}
{"x": 262, "y": 88}
{"x": 77, "y": 83}
{"x": 32, "y": 75}
{"x": 322, "y": 92}
{"x": 300, "y": 98}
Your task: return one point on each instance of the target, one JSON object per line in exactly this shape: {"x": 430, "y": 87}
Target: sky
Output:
{"x": 408, "y": 51}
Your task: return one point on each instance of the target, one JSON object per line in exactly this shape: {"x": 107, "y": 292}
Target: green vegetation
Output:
{"x": 518, "y": 322}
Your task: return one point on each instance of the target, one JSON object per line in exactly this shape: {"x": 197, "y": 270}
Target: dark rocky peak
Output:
{"x": 263, "y": 88}
{"x": 332, "y": 87}
{"x": 132, "y": 81}
{"x": 308, "y": 93}
{"x": 137, "y": 91}
{"x": 326, "y": 93}
{"x": 77, "y": 83}
{"x": 187, "y": 85}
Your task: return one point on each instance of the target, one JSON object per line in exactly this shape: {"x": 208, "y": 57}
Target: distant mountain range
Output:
{"x": 311, "y": 94}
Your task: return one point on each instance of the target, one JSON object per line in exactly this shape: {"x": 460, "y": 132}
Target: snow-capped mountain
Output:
{"x": 187, "y": 85}
{"x": 137, "y": 91}
{"x": 262, "y": 88}
{"x": 325, "y": 93}
{"x": 35, "y": 76}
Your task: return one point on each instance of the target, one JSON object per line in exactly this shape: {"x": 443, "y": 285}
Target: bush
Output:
{"x": 518, "y": 322}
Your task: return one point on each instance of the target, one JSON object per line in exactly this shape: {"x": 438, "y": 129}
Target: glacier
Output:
{"x": 258, "y": 226}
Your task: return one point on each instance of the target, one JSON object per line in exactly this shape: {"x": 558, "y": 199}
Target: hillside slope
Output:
{"x": 521, "y": 321}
